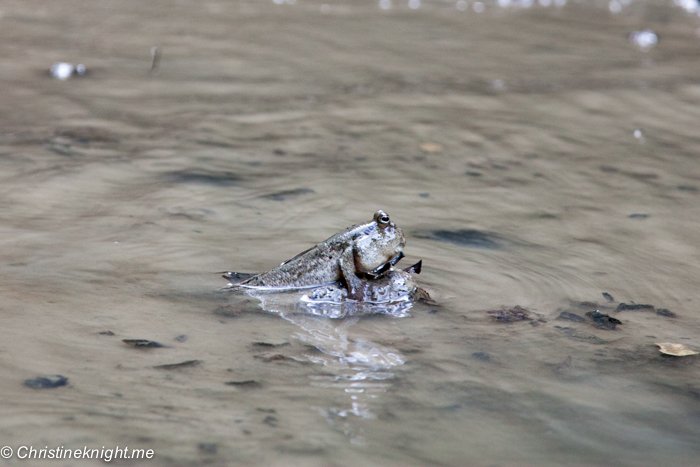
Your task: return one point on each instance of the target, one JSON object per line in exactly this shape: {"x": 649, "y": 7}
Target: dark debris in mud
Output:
{"x": 46, "y": 382}
{"x": 284, "y": 194}
{"x": 279, "y": 358}
{"x": 665, "y": 312}
{"x": 105, "y": 333}
{"x": 634, "y": 307}
{"x": 561, "y": 366}
{"x": 236, "y": 309}
{"x": 483, "y": 356}
{"x": 87, "y": 135}
{"x": 608, "y": 297}
{"x": 469, "y": 238}
{"x": 510, "y": 315}
{"x": 143, "y": 343}
{"x": 220, "y": 179}
{"x": 580, "y": 336}
{"x": 246, "y": 384}
{"x": 602, "y": 320}
{"x": 176, "y": 366}
{"x": 271, "y": 420}
{"x": 568, "y": 316}
{"x": 267, "y": 345}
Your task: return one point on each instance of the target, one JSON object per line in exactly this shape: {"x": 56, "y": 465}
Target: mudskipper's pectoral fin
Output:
{"x": 415, "y": 268}
{"x": 349, "y": 271}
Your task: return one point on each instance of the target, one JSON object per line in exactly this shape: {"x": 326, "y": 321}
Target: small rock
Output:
{"x": 571, "y": 317}
{"x": 270, "y": 420}
{"x": 665, "y": 312}
{"x": 143, "y": 343}
{"x": 174, "y": 366}
{"x": 510, "y": 315}
{"x": 608, "y": 297}
{"x": 268, "y": 344}
{"x": 483, "y": 356}
{"x": 247, "y": 384}
{"x": 634, "y": 307}
{"x": 106, "y": 333}
{"x": 603, "y": 320}
{"x": 46, "y": 382}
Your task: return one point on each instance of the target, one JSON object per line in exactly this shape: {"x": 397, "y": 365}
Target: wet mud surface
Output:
{"x": 535, "y": 158}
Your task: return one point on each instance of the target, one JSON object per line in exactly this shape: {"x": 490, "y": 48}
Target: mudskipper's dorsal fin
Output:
{"x": 299, "y": 255}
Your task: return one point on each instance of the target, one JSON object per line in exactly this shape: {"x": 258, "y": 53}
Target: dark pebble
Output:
{"x": 46, "y": 382}
{"x": 270, "y": 420}
{"x": 638, "y": 216}
{"x": 269, "y": 344}
{"x": 471, "y": 173}
{"x": 142, "y": 343}
{"x": 687, "y": 188}
{"x": 634, "y": 307}
{"x": 603, "y": 320}
{"x": 247, "y": 384}
{"x": 174, "y": 366}
{"x": 181, "y": 338}
{"x": 106, "y": 333}
{"x": 665, "y": 312}
{"x": 279, "y": 152}
{"x": 571, "y": 317}
{"x": 424, "y": 195}
{"x": 608, "y": 297}
{"x": 483, "y": 356}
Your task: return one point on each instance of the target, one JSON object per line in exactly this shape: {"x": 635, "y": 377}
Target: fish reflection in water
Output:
{"x": 356, "y": 365}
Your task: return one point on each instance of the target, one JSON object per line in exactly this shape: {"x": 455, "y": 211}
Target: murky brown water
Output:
{"x": 266, "y": 129}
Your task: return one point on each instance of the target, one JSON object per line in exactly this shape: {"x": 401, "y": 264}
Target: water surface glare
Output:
{"x": 533, "y": 153}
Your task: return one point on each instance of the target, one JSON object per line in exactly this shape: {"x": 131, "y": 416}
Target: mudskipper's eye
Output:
{"x": 381, "y": 218}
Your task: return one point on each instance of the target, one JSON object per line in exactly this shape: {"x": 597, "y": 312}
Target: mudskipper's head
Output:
{"x": 378, "y": 244}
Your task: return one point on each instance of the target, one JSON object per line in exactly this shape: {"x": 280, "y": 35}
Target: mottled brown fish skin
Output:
{"x": 360, "y": 248}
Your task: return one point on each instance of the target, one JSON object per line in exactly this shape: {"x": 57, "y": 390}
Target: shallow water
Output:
{"x": 267, "y": 128}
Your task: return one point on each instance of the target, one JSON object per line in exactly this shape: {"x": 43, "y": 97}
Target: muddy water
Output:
{"x": 267, "y": 128}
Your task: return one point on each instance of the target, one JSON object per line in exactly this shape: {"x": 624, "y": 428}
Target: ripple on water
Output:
{"x": 469, "y": 238}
